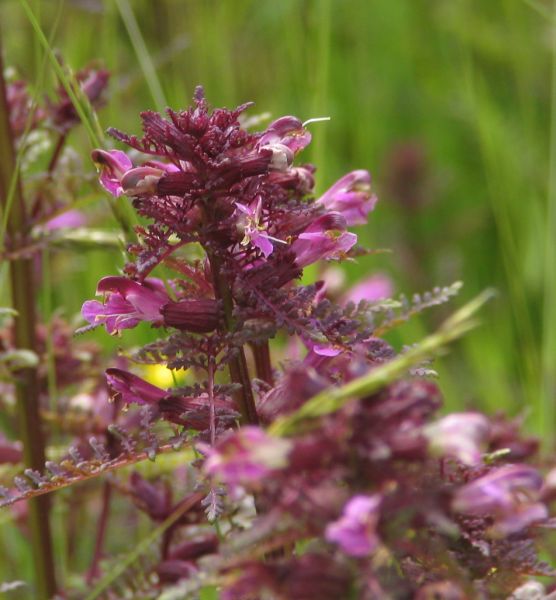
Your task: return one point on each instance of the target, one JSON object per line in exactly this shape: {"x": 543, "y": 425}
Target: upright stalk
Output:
{"x": 263, "y": 364}
{"x": 239, "y": 372}
{"x": 27, "y": 384}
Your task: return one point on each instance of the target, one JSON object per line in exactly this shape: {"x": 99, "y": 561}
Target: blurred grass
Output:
{"x": 466, "y": 84}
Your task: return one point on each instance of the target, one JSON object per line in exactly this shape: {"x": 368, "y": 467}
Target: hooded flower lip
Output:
{"x": 325, "y": 238}
{"x": 297, "y": 178}
{"x": 118, "y": 176}
{"x": 351, "y": 196}
{"x": 459, "y": 435}
{"x": 196, "y": 315}
{"x": 131, "y": 389}
{"x": 128, "y": 303}
{"x": 189, "y": 411}
{"x": 355, "y": 530}
{"x": 509, "y": 494}
{"x": 113, "y": 165}
{"x": 141, "y": 181}
{"x": 246, "y": 456}
{"x": 285, "y": 137}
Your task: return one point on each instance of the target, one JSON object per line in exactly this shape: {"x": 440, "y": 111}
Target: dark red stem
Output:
{"x": 94, "y": 570}
{"x": 263, "y": 364}
{"x": 27, "y": 384}
{"x": 239, "y": 373}
{"x": 56, "y": 154}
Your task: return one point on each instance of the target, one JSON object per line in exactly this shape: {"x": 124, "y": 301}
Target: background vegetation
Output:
{"x": 449, "y": 104}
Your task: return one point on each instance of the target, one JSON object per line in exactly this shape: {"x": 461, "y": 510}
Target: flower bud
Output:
{"x": 198, "y": 316}
{"x": 460, "y": 436}
{"x": 141, "y": 181}
{"x": 282, "y": 156}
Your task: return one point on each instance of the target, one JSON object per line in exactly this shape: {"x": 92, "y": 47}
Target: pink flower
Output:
{"x": 246, "y": 456}
{"x": 132, "y": 389}
{"x": 355, "y": 530}
{"x": 351, "y": 196}
{"x": 509, "y": 494}
{"x": 113, "y": 164}
{"x": 284, "y": 137}
{"x": 127, "y": 303}
{"x": 374, "y": 288}
{"x": 250, "y": 225}
{"x": 68, "y": 219}
{"x": 192, "y": 412}
{"x": 141, "y": 181}
{"x": 325, "y": 238}
{"x": 118, "y": 176}
{"x": 460, "y": 436}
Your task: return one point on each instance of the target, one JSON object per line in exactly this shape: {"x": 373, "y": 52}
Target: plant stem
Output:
{"x": 210, "y": 376}
{"x": 263, "y": 364}
{"x": 239, "y": 372}
{"x": 94, "y": 570}
{"x": 27, "y": 384}
{"x": 56, "y": 154}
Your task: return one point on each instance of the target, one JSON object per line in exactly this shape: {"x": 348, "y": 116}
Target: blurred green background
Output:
{"x": 449, "y": 103}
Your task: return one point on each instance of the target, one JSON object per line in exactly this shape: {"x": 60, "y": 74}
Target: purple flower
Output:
{"x": 19, "y": 105}
{"x": 68, "y": 219}
{"x": 374, "y": 288}
{"x": 351, "y": 196}
{"x": 113, "y": 164}
{"x": 190, "y": 411}
{"x": 355, "y": 530}
{"x": 284, "y": 137}
{"x": 460, "y": 436}
{"x": 127, "y": 303}
{"x": 325, "y": 238}
{"x": 141, "y": 181}
{"x": 250, "y": 225}
{"x": 246, "y": 456}
{"x": 93, "y": 83}
{"x": 131, "y": 389}
{"x": 509, "y": 494}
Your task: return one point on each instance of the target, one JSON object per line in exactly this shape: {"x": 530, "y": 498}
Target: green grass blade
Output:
{"x": 547, "y": 408}
{"x": 70, "y": 86}
{"x": 23, "y": 142}
{"x": 143, "y": 55}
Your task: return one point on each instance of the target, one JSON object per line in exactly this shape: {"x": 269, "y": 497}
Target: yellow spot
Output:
{"x": 162, "y": 376}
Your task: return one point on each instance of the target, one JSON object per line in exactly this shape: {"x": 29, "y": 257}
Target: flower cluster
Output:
{"x": 367, "y": 503}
